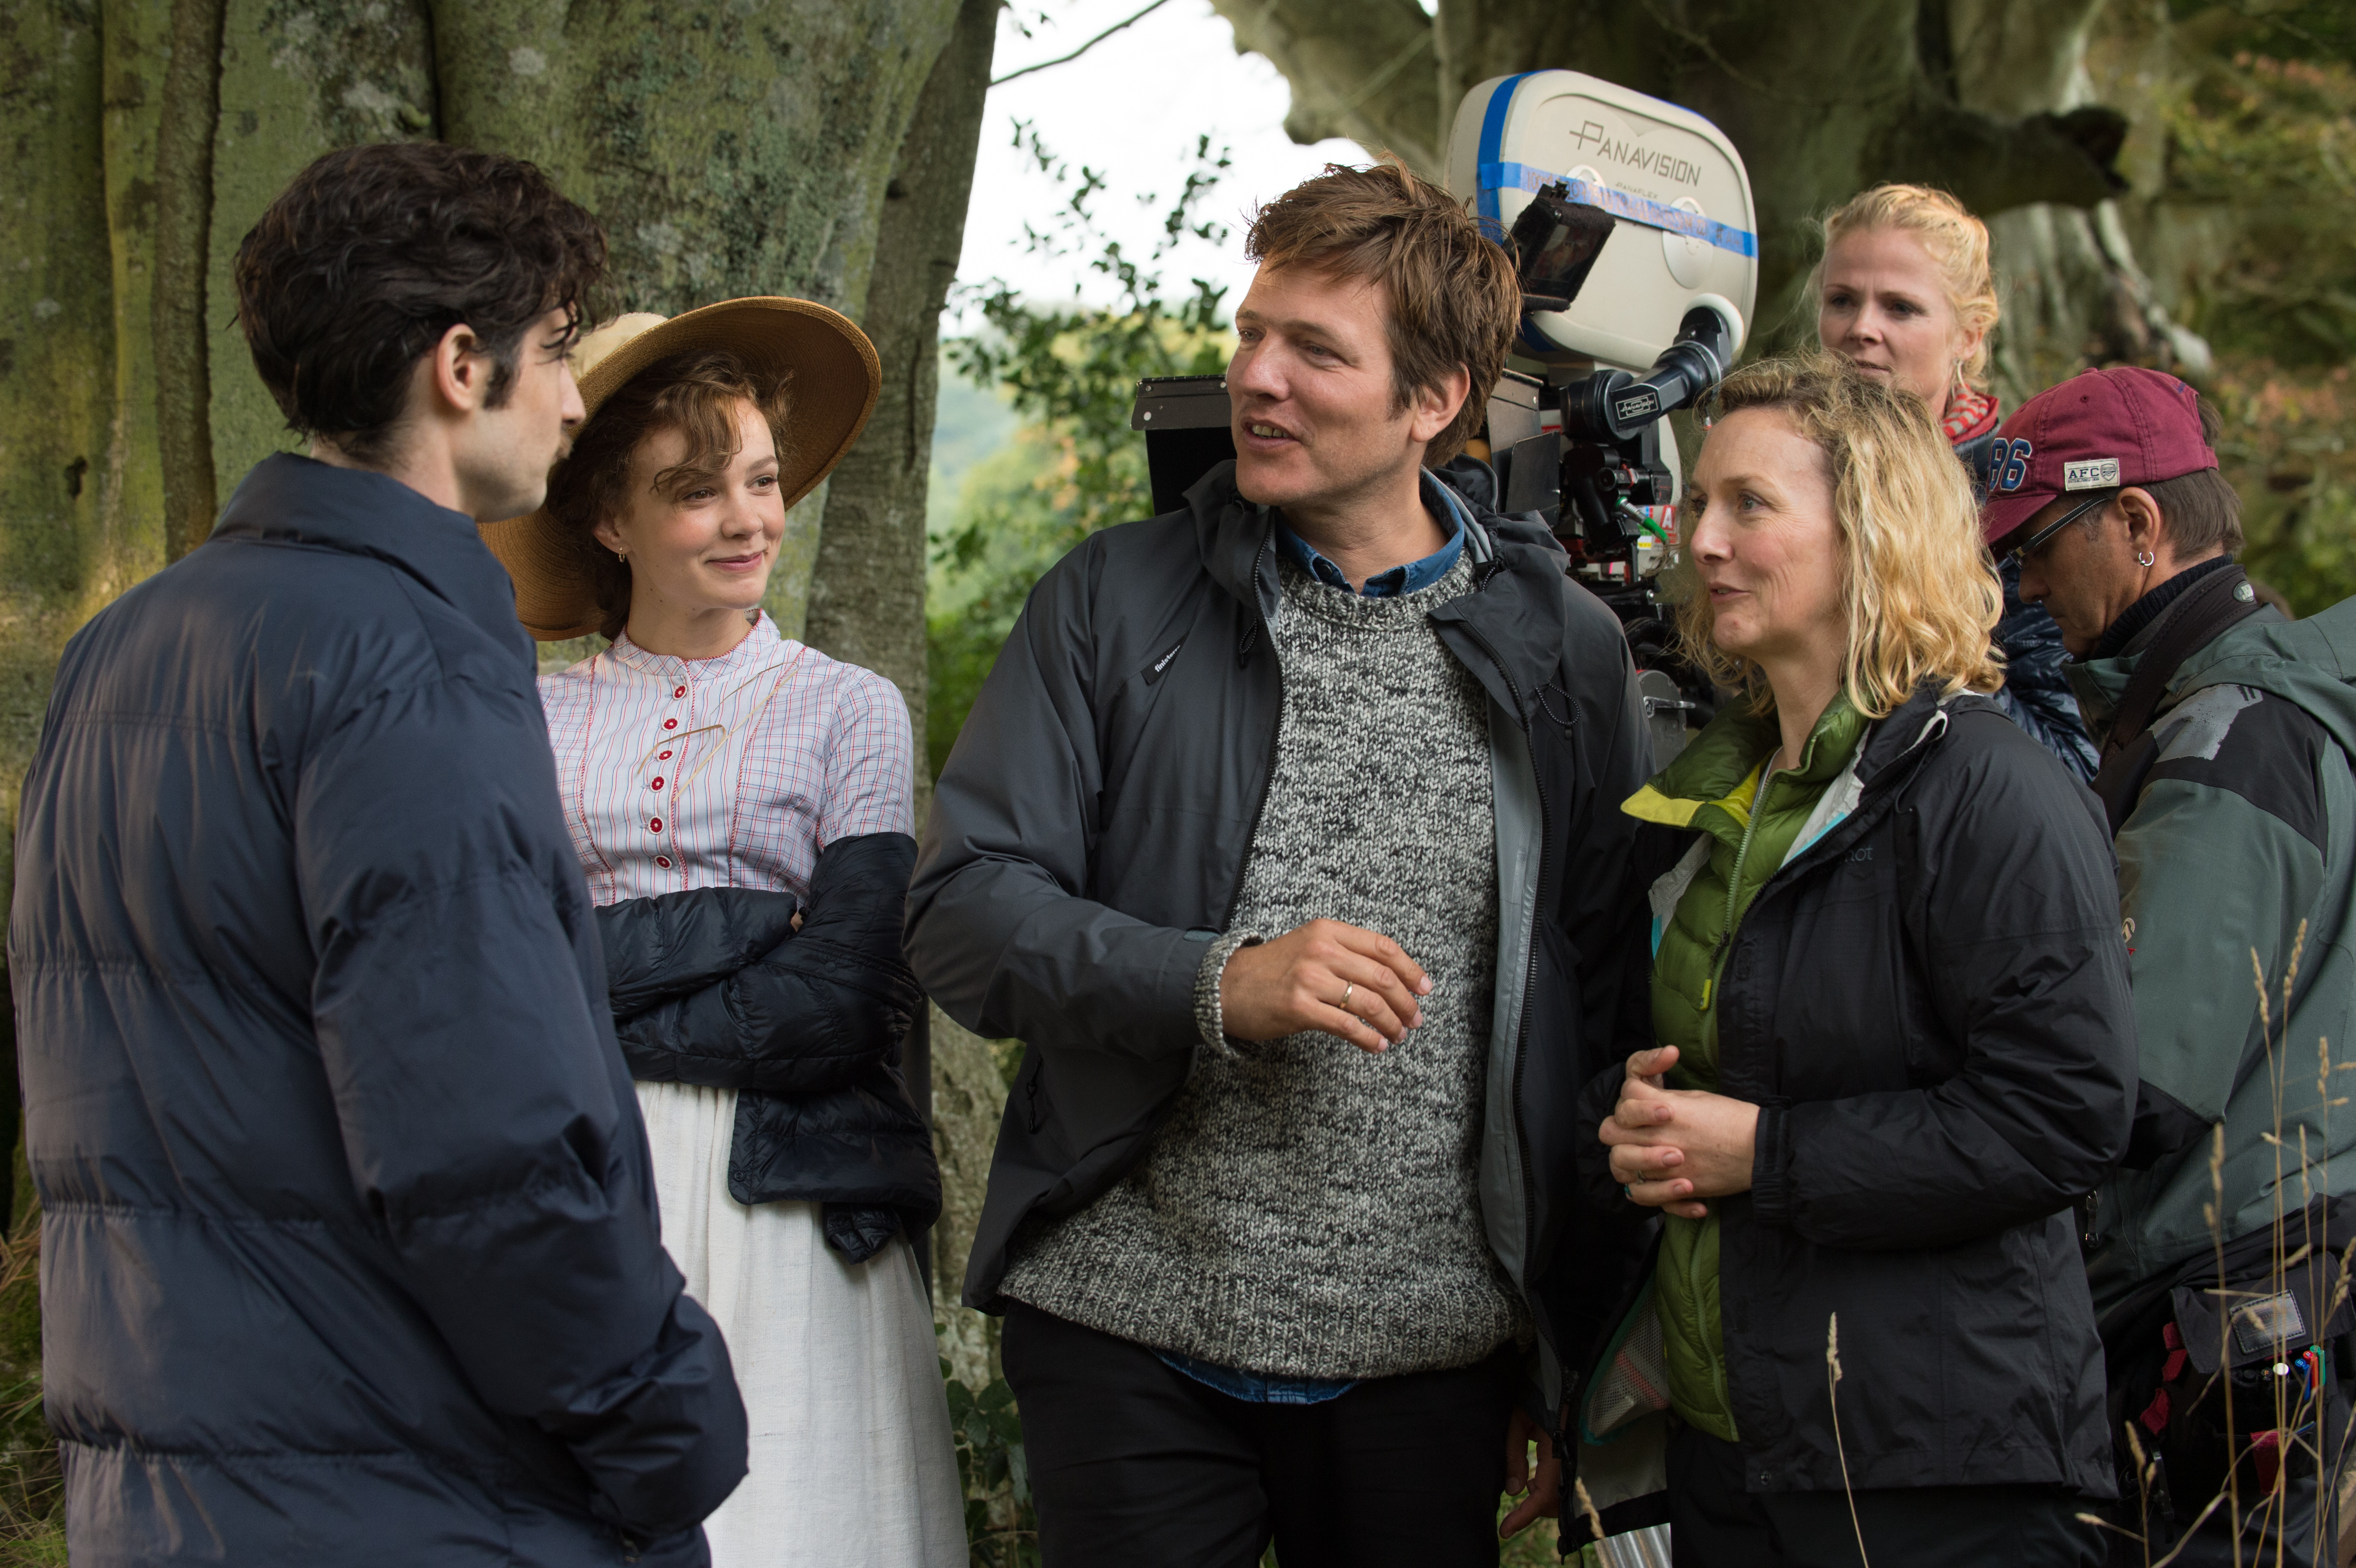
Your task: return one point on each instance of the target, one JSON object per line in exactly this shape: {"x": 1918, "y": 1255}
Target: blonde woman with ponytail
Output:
{"x": 1894, "y": 1038}
{"x": 1905, "y": 293}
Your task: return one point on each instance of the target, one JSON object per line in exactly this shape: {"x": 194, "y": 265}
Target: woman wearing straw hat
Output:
{"x": 741, "y": 804}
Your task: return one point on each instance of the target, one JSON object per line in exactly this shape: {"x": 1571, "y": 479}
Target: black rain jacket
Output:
{"x": 1088, "y": 834}
{"x": 348, "y": 1242}
{"x": 1930, "y": 1006}
{"x": 713, "y": 988}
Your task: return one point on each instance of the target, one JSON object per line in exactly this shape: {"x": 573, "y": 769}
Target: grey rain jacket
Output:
{"x": 1088, "y": 833}
{"x": 349, "y": 1241}
{"x": 2241, "y": 841}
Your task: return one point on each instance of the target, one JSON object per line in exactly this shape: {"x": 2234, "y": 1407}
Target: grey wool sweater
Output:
{"x": 1309, "y": 1210}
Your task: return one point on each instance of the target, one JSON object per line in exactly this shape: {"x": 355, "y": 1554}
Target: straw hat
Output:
{"x": 835, "y": 377}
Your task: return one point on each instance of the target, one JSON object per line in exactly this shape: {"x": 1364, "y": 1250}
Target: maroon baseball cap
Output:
{"x": 2098, "y": 430}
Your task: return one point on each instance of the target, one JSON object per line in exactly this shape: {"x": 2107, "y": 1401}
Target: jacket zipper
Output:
{"x": 1530, "y": 972}
{"x": 1708, "y": 986}
{"x": 1733, "y": 890}
{"x": 1268, "y": 776}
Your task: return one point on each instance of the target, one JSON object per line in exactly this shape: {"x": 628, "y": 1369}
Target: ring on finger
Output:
{"x": 1349, "y": 989}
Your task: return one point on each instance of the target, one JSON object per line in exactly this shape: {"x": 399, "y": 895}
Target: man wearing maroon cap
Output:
{"x": 2225, "y": 735}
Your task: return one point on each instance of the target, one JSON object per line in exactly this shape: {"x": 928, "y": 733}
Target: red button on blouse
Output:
{"x": 665, "y": 757}
{"x": 678, "y": 692}
{"x": 670, "y": 723}
{"x": 654, "y": 825}
{"x": 657, "y": 785}
{"x": 664, "y": 862}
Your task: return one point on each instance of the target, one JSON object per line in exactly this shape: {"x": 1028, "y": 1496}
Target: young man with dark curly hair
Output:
{"x": 1285, "y": 835}
{"x": 349, "y": 1240}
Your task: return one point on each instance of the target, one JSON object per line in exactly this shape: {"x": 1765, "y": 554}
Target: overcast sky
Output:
{"x": 1131, "y": 108}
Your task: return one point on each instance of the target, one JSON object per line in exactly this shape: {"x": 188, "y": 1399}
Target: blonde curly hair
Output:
{"x": 1920, "y": 590}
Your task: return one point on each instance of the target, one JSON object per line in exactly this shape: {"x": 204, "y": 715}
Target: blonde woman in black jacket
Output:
{"x": 1894, "y": 1040}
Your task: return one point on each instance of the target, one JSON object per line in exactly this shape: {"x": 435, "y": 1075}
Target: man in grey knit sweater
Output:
{"x": 1278, "y": 833}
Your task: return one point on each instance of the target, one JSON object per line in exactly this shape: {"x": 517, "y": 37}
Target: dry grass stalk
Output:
{"x": 1832, "y": 1393}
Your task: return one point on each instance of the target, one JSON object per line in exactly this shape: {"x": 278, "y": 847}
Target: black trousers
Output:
{"x": 1135, "y": 1464}
{"x": 1714, "y": 1523}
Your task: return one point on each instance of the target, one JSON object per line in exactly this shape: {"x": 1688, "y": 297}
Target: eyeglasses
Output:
{"x": 2036, "y": 541}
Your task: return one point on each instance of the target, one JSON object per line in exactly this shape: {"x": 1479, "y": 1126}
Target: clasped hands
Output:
{"x": 1673, "y": 1147}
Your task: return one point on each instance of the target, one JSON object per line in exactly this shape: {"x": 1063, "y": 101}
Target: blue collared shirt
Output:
{"x": 1399, "y": 580}
{"x": 1253, "y": 1389}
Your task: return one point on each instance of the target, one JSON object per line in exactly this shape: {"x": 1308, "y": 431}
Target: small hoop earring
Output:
{"x": 2144, "y": 557}
{"x": 620, "y": 556}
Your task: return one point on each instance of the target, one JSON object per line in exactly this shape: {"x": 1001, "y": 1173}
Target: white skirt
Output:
{"x": 851, "y": 1454}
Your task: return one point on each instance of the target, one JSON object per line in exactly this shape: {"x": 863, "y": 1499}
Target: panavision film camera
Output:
{"x": 1632, "y": 228}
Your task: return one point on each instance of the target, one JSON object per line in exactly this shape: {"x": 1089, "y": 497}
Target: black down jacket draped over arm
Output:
{"x": 713, "y": 988}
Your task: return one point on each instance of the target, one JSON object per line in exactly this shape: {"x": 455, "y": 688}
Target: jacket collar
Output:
{"x": 294, "y": 500}
{"x": 1237, "y": 537}
{"x": 1702, "y": 787}
{"x": 762, "y": 647}
{"x": 1897, "y": 742}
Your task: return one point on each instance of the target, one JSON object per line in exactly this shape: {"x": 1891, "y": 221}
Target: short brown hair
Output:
{"x": 1454, "y": 297}
{"x": 372, "y": 253}
{"x": 2200, "y": 511}
{"x": 696, "y": 393}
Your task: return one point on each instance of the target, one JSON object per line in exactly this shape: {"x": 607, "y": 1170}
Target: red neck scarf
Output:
{"x": 1969, "y": 415}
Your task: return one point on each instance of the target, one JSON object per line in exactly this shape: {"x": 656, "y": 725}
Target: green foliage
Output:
{"x": 1069, "y": 371}
{"x": 1001, "y": 1528}
{"x": 2274, "y": 142}
{"x": 2269, "y": 146}
{"x": 2285, "y": 445}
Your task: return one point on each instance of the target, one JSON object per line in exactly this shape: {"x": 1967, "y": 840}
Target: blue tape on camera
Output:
{"x": 1502, "y": 177}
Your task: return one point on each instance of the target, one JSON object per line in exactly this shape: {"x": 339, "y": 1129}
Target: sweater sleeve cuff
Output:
{"x": 1210, "y": 1019}
{"x": 1770, "y": 1166}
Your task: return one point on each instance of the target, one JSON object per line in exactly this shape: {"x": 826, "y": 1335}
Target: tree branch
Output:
{"x": 1359, "y": 69}
{"x": 1100, "y": 37}
{"x": 1993, "y": 165}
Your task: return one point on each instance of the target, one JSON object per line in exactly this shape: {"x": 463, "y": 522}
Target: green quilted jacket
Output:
{"x": 1712, "y": 786}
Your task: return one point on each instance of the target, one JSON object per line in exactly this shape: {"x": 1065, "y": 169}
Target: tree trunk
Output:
{"x": 867, "y": 588}
{"x": 184, "y": 198}
{"x": 730, "y": 150}
{"x": 867, "y": 592}
{"x": 968, "y": 1099}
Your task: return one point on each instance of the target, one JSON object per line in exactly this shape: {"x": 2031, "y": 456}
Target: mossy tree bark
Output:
{"x": 867, "y": 585}
{"x": 729, "y": 149}
{"x": 1987, "y": 98}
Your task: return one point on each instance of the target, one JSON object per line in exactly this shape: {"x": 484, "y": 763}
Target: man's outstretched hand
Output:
{"x": 1304, "y": 978}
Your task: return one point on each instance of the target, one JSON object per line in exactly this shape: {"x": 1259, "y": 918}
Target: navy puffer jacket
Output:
{"x": 348, "y": 1245}
{"x": 713, "y": 986}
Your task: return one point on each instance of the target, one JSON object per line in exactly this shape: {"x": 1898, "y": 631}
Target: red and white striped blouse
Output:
{"x": 728, "y": 771}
